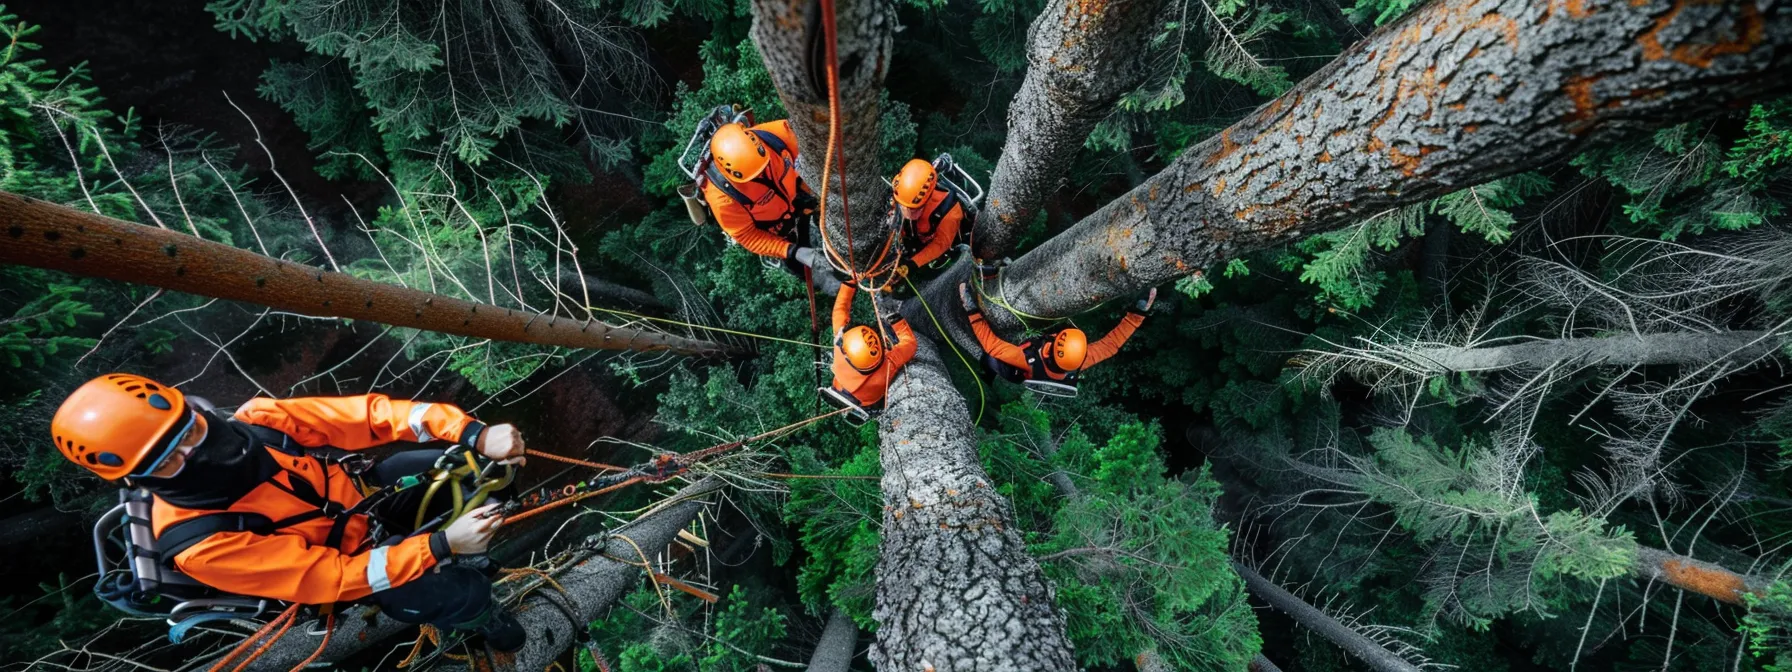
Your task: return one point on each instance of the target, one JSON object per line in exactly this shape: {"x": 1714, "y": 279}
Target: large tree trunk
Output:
{"x": 839, "y": 641}
{"x": 1456, "y": 93}
{"x": 1736, "y": 347}
{"x": 791, "y": 37}
{"x": 46, "y": 235}
{"x": 1355, "y": 643}
{"x": 1081, "y": 58}
{"x": 1697, "y": 576}
{"x": 956, "y": 588}
{"x": 591, "y": 587}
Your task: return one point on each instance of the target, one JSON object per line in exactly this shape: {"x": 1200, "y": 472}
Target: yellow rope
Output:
{"x": 748, "y": 334}
{"x": 1002, "y": 302}
{"x": 647, "y": 565}
{"x": 967, "y": 363}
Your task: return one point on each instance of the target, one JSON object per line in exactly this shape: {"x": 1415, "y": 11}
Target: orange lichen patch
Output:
{"x": 1227, "y": 147}
{"x": 1325, "y": 157}
{"x": 1408, "y": 163}
{"x": 1714, "y": 582}
{"x": 1507, "y": 28}
{"x": 1219, "y": 185}
{"x": 1457, "y": 107}
{"x": 1751, "y": 31}
{"x": 1580, "y": 91}
{"x": 1245, "y": 212}
{"x": 1471, "y": 128}
{"x": 1191, "y": 187}
{"x": 1152, "y": 195}
{"x": 1089, "y": 7}
{"x": 1575, "y": 8}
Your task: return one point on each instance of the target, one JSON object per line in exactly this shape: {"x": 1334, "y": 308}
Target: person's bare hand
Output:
{"x": 503, "y": 443}
{"x": 472, "y": 532}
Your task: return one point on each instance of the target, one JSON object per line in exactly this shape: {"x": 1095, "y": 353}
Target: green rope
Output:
{"x": 748, "y": 334}
{"x": 1002, "y": 302}
{"x": 954, "y": 344}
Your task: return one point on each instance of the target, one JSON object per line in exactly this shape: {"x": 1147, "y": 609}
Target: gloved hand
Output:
{"x": 964, "y": 298}
{"x": 472, "y": 532}
{"x": 1143, "y": 305}
{"x": 502, "y": 443}
{"x": 806, "y": 256}
{"x": 805, "y": 201}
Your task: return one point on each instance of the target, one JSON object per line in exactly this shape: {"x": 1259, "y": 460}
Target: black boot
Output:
{"x": 503, "y": 633}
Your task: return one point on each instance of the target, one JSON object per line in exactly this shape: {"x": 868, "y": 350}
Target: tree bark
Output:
{"x": 45, "y": 235}
{"x": 1697, "y": 576}
{"x": 1082, "y": 57}
{"x": 791, "y": 37}
{"x": 1627, "y": 350}
{"x": 956, "y": 588}
{"x": 1457, "y": 93}
{"x": 1355, "y": 643}
{"x": 591, "y": 587}
{"x": 839, "y": 641}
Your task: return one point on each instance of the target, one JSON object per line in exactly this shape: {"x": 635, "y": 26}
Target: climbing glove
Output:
{"x": 1143, "y": 305}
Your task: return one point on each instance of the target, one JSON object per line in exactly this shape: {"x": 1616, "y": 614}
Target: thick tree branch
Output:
{"x": 1082, "y": 57}
{"x": 1355, "y": 643}
{"x": 45, "y": 235}
{"x": 956, "y": 589}
{"x": 1456, "y": 93}
{"x": 1697, "y": 576}
{"x": 839, "y": 641}
{"x": 790, "y": 37}
{"x": 1734, "y": 347}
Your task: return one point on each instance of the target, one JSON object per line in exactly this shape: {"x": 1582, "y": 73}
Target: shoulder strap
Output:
{"x": 946, "y": 204}
{"x": 773, "y": 141}
{"x": 184, "y": 534}
{"x": 716, "y": 178}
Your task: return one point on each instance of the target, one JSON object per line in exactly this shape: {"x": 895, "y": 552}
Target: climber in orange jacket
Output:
{"x": 864, "y": 362}
{"x": 265, "y": 502}
{"x": 1049, "y": 363}
{"x": 933, "y": 213}
{"x": 754, "y": 192}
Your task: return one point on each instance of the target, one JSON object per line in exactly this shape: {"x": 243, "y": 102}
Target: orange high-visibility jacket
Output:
{"x": 937, "y": 227}
{"x": 1022, "y": 356}
{"x": 293, "y": 563}
{"x": 868, "y": 388}
{"x": 761, "y": 226}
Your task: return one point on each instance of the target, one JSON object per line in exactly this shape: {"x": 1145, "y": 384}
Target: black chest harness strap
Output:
{"x": 184, "y": 534}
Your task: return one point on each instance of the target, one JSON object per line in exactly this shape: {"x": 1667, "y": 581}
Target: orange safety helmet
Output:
{"x": 118, "y": 422}
{"x": 739, "y": 152}
{"x": 1069, "y": 348}
{"x": 864, "y": 349}
{"x": 915, "y": 183}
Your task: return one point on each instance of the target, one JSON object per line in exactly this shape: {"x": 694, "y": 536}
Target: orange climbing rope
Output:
{"x": 329, "y": 626}
{"x": 659, "y": 469}
{"x": 572, "y": 460}
{"x": 278, "y": 626}
{"x": 837, "y": 152}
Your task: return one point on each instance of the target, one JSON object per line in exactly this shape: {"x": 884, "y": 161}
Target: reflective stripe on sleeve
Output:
{"x": 376, "y": 569}
{"x": 416, "y": 421}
